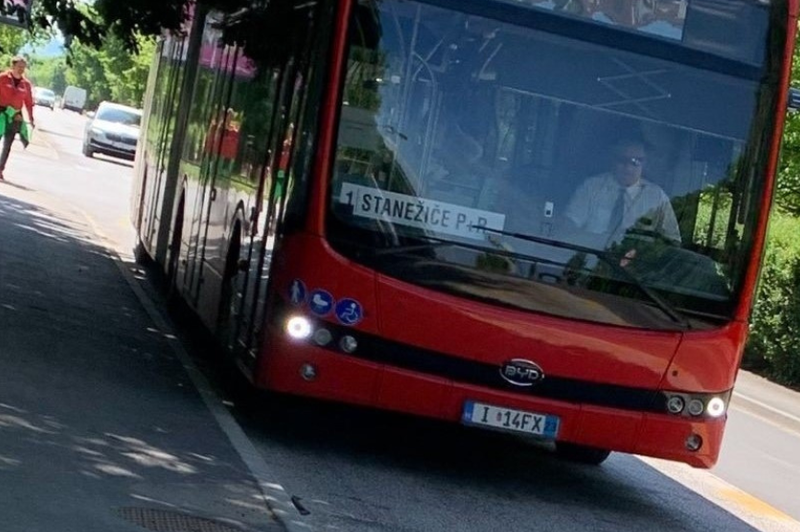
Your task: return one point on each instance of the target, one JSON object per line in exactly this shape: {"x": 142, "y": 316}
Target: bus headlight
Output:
{"x": 348, "y": 344}
{"x": 298, "y": 327}
{"x": 322, "y": 337}
{"x": 675, "y": 404}
{"x": 696, "y": 407}
{"x": 716, "y": 407}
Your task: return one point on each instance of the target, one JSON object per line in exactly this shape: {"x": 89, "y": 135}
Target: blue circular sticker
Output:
{"x": 297, "y": 292}
{"x": 349, "y": 311}
{"x": 320, "y": 302}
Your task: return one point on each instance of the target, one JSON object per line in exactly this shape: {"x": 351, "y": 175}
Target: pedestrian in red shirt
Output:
{"x": 16, "y": 93}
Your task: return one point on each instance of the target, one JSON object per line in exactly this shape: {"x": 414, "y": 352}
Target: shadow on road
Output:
{"x": 96, "y": 414}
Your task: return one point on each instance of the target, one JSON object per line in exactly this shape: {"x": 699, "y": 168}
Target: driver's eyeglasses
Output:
{"x": 629, "y": 161}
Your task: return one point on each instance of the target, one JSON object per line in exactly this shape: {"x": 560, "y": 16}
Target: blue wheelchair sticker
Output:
{"x": 320, "y": 302}
{"x": 349, "y": 311}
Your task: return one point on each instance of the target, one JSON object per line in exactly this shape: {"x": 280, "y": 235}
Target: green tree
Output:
{"x": 11, "y": 40}
{"x": 112, "y": 72}
{"x": 49, "y": 72}
{"x": 787, "y": 196}
{"x": 93, "y": 22}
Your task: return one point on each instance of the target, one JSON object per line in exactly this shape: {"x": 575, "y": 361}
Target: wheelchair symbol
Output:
{"x": 349, "y": 311}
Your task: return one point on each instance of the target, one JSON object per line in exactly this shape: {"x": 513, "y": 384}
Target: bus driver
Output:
{"x": 612, "y": 202}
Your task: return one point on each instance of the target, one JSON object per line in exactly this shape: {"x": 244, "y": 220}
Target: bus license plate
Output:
{"x": 509, "y": 419}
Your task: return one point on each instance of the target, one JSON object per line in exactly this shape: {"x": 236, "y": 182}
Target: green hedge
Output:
{"x": 774, "y": 344}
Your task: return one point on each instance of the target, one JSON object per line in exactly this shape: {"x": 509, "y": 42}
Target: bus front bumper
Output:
{"x": 304, "y": 369}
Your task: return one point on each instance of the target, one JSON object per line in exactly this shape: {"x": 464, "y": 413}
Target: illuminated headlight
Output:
{"x": 298, "y": 327}
{"x": 675, "y": 404}
{"x": 716, "y": 407}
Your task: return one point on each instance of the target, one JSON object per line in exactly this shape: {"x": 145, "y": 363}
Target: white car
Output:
{"x": 112, "y": 130}
{"x": 74, "y": 99}
{"x": 45, "y": 97}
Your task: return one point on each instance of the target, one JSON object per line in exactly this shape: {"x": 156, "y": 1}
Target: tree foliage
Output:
{"x": 50, "y": 72}
{"x": 11, "y": 40}
{"x": 111, "y": 73}
{"x": 108, "y": 73}
{"x": 775, "y": 323}
{"x": 126, "y": 21}
{"x": 787, "y": 195}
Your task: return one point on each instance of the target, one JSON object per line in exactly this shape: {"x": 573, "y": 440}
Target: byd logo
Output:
{"x": 521, "y": 372}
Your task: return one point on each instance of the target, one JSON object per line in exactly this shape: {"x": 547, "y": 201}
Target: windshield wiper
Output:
{"x": 665, "y": 307}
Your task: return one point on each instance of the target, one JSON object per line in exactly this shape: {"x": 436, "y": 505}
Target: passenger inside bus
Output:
{"x": 455, "y": 173}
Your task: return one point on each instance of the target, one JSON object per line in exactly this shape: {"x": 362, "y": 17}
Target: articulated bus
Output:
{"x": 421, "y": 205}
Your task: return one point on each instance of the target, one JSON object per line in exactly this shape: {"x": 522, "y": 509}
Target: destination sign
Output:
{"x": 421, "y": 213}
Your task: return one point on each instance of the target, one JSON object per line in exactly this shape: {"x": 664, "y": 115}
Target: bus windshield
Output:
{"x": 535, "y": 159}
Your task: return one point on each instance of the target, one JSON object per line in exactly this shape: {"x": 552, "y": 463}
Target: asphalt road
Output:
{"x": 350, "y": 469}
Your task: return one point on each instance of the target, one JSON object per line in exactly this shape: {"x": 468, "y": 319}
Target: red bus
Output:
{"x": 543, "y": 217}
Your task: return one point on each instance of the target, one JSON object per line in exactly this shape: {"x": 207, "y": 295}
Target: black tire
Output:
{"x": 581, "y": 453}
{"x": 173, "y": 295}
{"x": 140, "y": 254}
{"x": 226, "y": 327}
{"x": 88, "y": 151}
{"x": 172, "y": 292}
{"x": 227, "y": 324}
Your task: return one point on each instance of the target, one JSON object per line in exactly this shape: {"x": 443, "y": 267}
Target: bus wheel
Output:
{"x": 140, "y": 254}
{"x": 581, "y": 453}
{"x": 227, "y": 319}
{"x": 227, "y": 313}
{"x": 173, "y": 293}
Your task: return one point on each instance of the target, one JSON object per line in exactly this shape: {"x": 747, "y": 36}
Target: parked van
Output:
{"x": 74, "y": 99}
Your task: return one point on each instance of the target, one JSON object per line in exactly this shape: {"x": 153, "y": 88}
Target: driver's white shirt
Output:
{"x": 646, "y": 206}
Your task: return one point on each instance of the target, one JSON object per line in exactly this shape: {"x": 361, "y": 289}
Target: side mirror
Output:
{"x": 794, "y": 99}
{"x": 90, "y": 114}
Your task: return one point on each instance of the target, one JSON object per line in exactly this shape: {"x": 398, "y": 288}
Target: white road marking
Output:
{"x": 746, "y": 507}
{"x": 767, "y": 407}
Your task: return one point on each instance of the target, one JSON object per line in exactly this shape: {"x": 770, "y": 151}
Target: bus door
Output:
{"x": 160, "y": 127}
{"x": 233, "y": 186}
{"x": 273, "y": 199}
{"x": 249, "y": 143}
{"x": 211, "y": 95}
{"x": 274, "y": 103}
{"x": 292, "y": 152}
